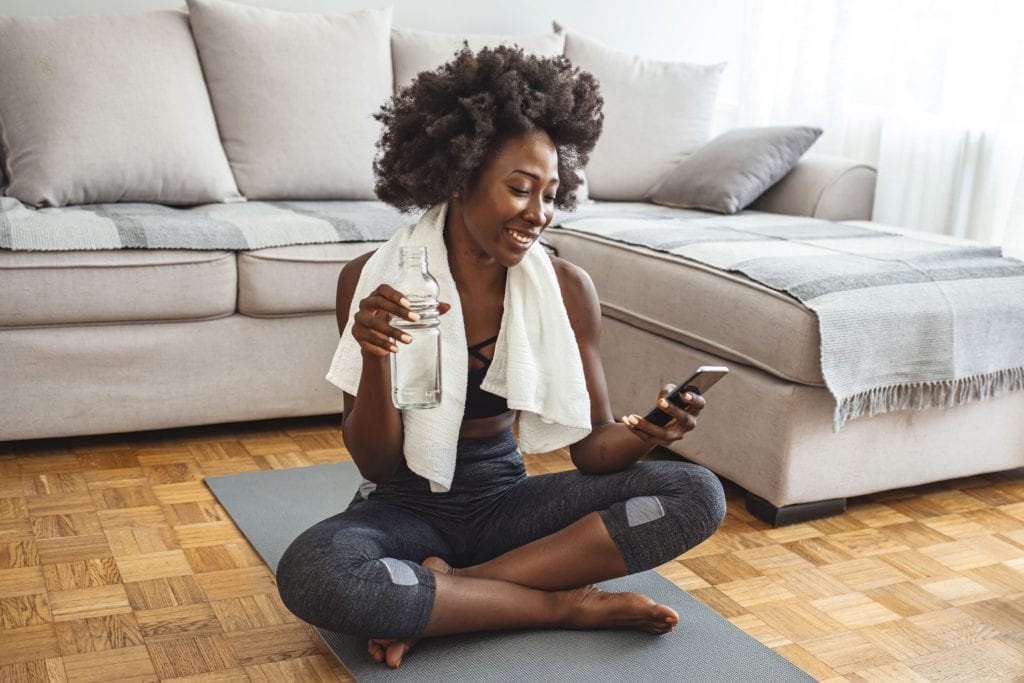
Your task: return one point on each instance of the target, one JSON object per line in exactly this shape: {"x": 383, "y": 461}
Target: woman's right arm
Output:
{"x": 371, "y": 425}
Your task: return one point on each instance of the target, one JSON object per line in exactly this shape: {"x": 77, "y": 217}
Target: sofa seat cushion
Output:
{"x": 293, "y": 280}
{"x": 721, "y": 313}
{"x": 114, "y": 286}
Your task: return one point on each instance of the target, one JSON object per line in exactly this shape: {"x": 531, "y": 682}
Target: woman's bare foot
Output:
{"x": 391, "y": 651}
{"x": 592, "y": 608}
{"x": 587, "y": 608}
{"x": 438, "y": 565}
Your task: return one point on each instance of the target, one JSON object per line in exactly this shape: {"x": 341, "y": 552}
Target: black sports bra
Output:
{"x": 480, "y": 403}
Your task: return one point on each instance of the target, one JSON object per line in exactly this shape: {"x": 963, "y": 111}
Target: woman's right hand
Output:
{"x": 371, "y": 324}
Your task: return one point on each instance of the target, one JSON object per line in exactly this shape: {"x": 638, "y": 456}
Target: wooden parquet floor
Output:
{"x": 116, "y": 563}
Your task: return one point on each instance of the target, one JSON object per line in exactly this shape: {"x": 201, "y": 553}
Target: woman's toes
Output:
{"x": 376, "y": 648}
{"x": 396, "y": 651}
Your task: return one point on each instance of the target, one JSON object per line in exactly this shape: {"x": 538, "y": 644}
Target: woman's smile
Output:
{"x": 521, "y": 238}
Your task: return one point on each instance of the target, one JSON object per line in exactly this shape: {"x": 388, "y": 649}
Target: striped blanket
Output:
{"x": 237, "y": 226}
{"x": 904, "y": 322}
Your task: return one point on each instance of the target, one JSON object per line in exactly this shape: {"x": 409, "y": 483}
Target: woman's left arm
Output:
{"x": 611, "y": 445}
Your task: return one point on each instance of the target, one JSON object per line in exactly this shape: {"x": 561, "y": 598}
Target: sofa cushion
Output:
{"x": 726, "y": 314}
{"x": 735, "y": 168}
{"x": 292, "y": 280}
{"x": 415, "y": 51}
{"x": 114, "y": 286}
{"x": 655, "y": 114}
{"x": 107, "y": 109}
{"x": 295, "y": 95}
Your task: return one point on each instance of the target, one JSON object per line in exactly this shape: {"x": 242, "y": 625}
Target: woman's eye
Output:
{"x": 549, "y": 198}
{"x": 519, "y": 191}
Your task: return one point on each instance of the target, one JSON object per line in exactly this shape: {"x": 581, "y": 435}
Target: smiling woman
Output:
{"x": 447, "y": 533}
{"x": 504, "y": 210}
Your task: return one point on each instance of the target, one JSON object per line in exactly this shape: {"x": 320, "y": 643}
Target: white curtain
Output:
{"x": 931, "y": 92}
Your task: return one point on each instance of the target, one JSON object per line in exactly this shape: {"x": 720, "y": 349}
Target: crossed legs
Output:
{"x": 469, "y": 600}
{"x": 548, "y": 540}
{"x": 546, "y": 582}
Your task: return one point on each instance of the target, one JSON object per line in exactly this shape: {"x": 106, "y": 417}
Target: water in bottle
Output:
{"x": 416, "y": 367}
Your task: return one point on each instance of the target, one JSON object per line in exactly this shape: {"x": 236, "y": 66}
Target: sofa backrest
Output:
{"x": 262, "y": 104}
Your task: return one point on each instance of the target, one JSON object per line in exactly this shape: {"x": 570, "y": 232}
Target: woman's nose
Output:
{"x": 534, "y": 211}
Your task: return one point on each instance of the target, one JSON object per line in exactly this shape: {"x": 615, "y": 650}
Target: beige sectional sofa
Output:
{"x": 95, "y": 338}
{"x": 769, "y": 424}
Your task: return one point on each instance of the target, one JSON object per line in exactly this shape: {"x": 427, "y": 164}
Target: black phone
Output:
{"x": 699, "y": 382}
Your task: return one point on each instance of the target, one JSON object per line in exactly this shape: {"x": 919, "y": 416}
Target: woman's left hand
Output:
{"x": 684, "y": 419}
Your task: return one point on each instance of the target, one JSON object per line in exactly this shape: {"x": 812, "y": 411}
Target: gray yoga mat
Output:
{"x": 273, "y": 507}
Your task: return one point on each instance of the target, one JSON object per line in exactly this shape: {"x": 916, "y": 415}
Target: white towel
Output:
{"x": 536, "y": 366}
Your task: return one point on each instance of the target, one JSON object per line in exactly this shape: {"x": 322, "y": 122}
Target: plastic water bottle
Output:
{"x": 416, "y": 367}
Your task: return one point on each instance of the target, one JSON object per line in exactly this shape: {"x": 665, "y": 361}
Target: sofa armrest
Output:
{"x": 827, "y": 187}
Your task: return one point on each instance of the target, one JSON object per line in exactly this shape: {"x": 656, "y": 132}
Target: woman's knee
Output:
{"x": 345, "y": 588}
{"x": 301, "y": 574}
{"x": 689, "y": 493}
{"x": 673, "y": 507}
{"x": 705, "y": 501}
{"x": 691, "y": 496}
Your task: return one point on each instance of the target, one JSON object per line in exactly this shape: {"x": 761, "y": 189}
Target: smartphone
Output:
{"x": 699, "y": 382}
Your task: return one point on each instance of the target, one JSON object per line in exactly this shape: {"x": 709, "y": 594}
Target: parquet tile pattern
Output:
{"x": 116, "y": 563}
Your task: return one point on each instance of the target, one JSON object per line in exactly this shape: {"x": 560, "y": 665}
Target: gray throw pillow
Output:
{"x": 734, "y": 169}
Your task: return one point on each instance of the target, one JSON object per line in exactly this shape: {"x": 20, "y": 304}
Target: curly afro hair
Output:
{"x": 439, "y": 131}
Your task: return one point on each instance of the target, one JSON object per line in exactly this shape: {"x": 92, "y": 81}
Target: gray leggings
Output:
{"x": 358, "y": 572}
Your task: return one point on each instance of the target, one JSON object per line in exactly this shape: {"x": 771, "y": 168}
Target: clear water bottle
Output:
{"x": 416, "y": 368}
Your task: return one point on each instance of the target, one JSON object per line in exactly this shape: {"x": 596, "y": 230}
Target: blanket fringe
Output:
{"x": 918, "y": 396}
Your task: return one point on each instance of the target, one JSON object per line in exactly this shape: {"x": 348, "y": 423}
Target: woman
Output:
{"x": 492, "y": 141}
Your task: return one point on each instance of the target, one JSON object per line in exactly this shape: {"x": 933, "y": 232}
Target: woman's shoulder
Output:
{"x": 351, "y": 271}
{"x": 577, "y": 288}
{"x": 348, "y": 280}
{"x": 571, "y": 278}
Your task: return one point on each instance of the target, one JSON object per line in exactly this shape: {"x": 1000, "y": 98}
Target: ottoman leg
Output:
{"x": 793, "y": 514}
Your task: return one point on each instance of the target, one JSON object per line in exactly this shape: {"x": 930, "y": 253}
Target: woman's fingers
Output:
{"x": 371, "y": 324}
{"x": 693, "y": 402}
{"x": 389, "y": 301}
{"x": 681, "y": 423}
{"x": 378, "y": 323}
{"x": 378, "y": 343}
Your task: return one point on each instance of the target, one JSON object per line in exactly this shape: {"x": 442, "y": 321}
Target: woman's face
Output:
{"x": 513, "y": 199}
